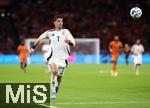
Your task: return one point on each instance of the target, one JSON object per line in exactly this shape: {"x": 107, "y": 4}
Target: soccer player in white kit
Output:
{"x": 60, "y": 40}
{"x": 46, "y": 52}
{"x": 137, "y": 50}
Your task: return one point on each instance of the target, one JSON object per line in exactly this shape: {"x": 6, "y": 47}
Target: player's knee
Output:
{"x": 55, "y": 72}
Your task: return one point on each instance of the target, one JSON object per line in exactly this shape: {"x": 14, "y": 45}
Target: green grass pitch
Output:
{"x": 89, "y": 85}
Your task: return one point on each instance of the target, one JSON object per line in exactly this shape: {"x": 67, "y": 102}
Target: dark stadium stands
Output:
{"x": 102, "y": 19}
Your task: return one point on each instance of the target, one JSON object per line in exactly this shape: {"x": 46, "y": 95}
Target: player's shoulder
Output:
{"x": 50, "y": 30}
{"x": 112, "y": 42}
{"x": 19, "y": 46}
{"x": 65, "y": 30}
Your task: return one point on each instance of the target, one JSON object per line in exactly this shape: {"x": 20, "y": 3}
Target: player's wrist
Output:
{"x": 34, "y": 46}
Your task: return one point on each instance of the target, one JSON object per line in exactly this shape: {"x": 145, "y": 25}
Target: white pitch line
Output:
{"x": 53, "y": 107}
{"x": 98, "y": 103}
{"x": 103, "y": 71}
{"x": 44, "y": 105}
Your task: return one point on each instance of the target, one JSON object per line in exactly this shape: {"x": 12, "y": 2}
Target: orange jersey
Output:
{"x": 22, "y": 49}
{"x": 115, "y": 47}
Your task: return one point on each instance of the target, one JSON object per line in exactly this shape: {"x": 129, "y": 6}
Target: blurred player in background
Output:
{"x": 137, "y": 50}
{"x": 46, "y": 52}
{"x": 127, "y": 53}
{"x": 22, "y": 49}
{"x": 115, "y": 47}
{"x": 60, "y": 39}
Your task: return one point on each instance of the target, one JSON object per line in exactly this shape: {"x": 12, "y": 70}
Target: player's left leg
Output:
{"x": 61, "y": 71}
{"x": 137, "y": 69}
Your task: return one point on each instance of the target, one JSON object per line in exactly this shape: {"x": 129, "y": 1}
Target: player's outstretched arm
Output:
{"x": 41, "y": 37}
{"x": 70, "y": 40}
{"x": 34, "y": 46}
{"x": 110, "y": 46}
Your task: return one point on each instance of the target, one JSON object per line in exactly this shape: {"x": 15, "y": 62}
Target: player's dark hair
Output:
{"x": 57, "y": 16}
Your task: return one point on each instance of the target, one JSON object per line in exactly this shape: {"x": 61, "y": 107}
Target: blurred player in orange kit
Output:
{"x": 115, "y": 47}
{"x": 22, "y": 49}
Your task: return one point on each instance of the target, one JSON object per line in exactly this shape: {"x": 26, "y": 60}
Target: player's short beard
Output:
{"x": 59, "y": 27}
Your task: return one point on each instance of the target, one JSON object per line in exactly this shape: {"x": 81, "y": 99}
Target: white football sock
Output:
{"x": 54, "y": 83}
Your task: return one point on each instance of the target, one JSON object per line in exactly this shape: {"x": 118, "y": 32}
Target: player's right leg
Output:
{"x": 137, "y": 69}
{"x": 114, "y": 59}
{"x": 137, "y": 64}
{"x": 114, "y": 68}
{"x": 54, "y": 83}
{"x": 21, "y": 65}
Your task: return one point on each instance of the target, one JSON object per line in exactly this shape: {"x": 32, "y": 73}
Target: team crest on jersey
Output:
{"x": 53, "y": 34}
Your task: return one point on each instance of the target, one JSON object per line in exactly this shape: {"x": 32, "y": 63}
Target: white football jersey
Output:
{"x": 137, "y": 49}
{"x": 59, "y": 49}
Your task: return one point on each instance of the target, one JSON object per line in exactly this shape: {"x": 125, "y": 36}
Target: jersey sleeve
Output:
{"x": 44, "y": 35}
{"x": 70, "y": 37}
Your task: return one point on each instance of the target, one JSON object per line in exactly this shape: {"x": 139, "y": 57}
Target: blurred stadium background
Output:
{"x": 22, "y": 19}
{"x": 87, "y": 85}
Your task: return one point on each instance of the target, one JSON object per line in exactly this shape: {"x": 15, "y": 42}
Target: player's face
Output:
{"x": 58, "y": 23}
{"x": 138, "y": 42}
{"x": 126, "y": 45}
{"x": 116, "y": 38}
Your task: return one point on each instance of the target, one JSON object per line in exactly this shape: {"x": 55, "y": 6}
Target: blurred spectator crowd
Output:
{"x": 101, "y": 19}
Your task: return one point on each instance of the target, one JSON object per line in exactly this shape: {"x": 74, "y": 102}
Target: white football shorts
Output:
{"x": 137, "y": 59}
{"x": 61, "y": 64}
